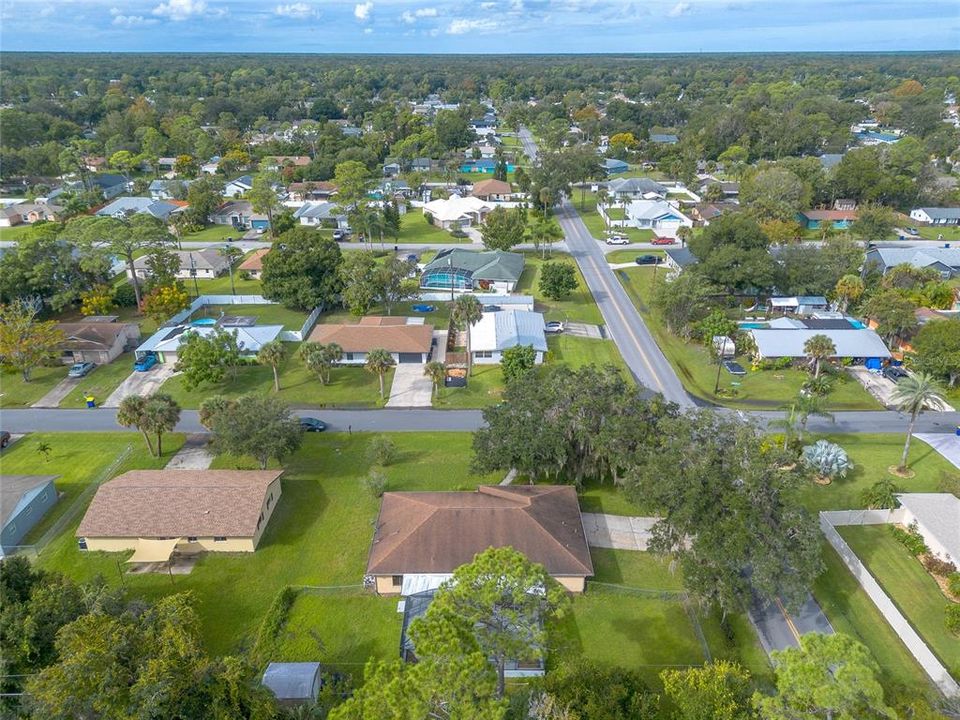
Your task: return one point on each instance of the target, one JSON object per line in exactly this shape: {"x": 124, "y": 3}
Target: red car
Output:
{"x": 662, "y": 240}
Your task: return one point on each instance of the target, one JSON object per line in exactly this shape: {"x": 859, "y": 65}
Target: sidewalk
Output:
{"x": 947, "y": 444}
{"x": 193, "y": 454}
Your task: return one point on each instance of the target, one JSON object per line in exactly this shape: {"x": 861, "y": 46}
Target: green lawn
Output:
{"x": 414, "y": 228}
{"x": 629, "y": 256}
{"x": 616, "y": 213}
{"x": 951, "y": 233}
{"x": 78, "y": 459}
{"x": 102, "y": 381}
{"x": 575, "y": 352}
{"x": 265, "y": 314}
{"x": 872, "y": 454}
{"x": 14, "y": 392}
{"x": 579, "y": 306}
{"x": 587, "y": 207}
{"x": 910, "y": 587}
{"x": 318, "y": 535}
{"x": 348, "y": 387}
{"x": 14, "y": 233}
{"x": 221, "y": 285}
{"x": 484, "y": 387}
{"x": 757, "y": 389}
{"x": 217, "y": 233}
{"x": 608, "y": 498}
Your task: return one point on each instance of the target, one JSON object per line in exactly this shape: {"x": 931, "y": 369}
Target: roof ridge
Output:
{"x": 559, "y": 544}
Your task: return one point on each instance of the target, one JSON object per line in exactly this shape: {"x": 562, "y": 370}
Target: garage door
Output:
{"x": 411, "y": 358}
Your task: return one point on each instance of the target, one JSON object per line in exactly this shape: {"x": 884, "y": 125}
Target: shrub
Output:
{"x": 952, "y": 618}
{"x": 938, "y": 566}
{"x": 124, "y": 296}
{"x": 910, "y": 538}
{"x": 882, "y": 494}
{"x": 245, "y": 275}
{"x": 273, "y": 622}
{"x": 949, "y": 483}
{"x": 827, "y": 459}
{"x": 953, "y": 584}
{"x": 381, "y": 450}
{"x": 375, "y": 483}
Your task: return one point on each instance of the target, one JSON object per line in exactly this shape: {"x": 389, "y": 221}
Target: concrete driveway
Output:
{"x": 57, "y": 393}
{"x": 140, "y": 383}
{"x": 617, "y": 531}
{"x": 411, "y": 388}
{"x": 882, "y": 388}
{"x": 584, "y": 330}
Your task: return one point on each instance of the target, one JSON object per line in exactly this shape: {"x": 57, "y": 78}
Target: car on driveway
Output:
{"x": 79, "y": 370}
{"x": 647, "y": 260}
{"x": 894, "y": 373}
{"x": 412, "y": 258}
{"x": 554, "y": 326}
{"x": 311, "y": 424}
{"x": 733, "y": 367}
{"x": 662, "y": 240}
{"x": 4, "y": 439}
{"x": 618, "y": 240}
{"x": 913, "y": 231}
{"x": 145, "y": 363}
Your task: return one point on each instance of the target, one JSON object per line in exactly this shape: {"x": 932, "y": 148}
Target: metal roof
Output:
{"x": 293, "y": 680}
{"x": 852, "y": 343}
{"x": 941, "y": 213}
{"x": 503, "y": 329}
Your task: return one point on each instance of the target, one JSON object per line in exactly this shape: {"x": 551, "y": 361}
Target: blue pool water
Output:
{"x": 200, "y": 322}
{"x": 857, "y": 325}
{"x": 752, "y": 325}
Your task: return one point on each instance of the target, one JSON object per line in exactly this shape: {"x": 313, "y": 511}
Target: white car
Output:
{"x": 618, "y": 240}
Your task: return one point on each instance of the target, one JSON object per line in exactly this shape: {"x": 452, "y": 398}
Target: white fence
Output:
{"x": 204, "y": 300}
{"x": 915, "y": 644}
{"x": 612, "y": 223}
{"x": 304, "y": 332}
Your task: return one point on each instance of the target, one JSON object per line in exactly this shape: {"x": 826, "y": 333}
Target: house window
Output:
{"x": 220, "y": 538}
{"x": 269, "y": 501}
{"x": 348, "y": 357}
{"x": 191, "y": 538}
{"x": 483, "y": 354}
{"x": 397, "y": 580}
{"x": 82, "y": 543}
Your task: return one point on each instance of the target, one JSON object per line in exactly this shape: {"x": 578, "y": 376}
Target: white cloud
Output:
{"x": 461, "y": 26}
{"x": 180, "y": 9}
{"x": 362, "y": 11}
{"x": 411, "y": 17}
{"x": 129, "y": 21}
{"x": 298, "y": 10}
{"x": 487, "y": 5}
{"x": 681, "y": 8}
{"x": 46, "y": 11}
{"x": 368, "y": 31}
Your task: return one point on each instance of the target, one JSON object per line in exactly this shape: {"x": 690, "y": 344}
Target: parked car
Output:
{"x": 310, "y": 424}
{"x": 412, "y": 258}
{"x": 230, "y": 238}
{"x": 618, "y": 240}
{"x": 339, "y": 234}
{"x": 662, "y": 240}
{"x": 78, "y": 370}
{"x": 554, "y": 326}
{"x": 4, "y": 439}
{"x": 894, "y": 373}
{"x": 733, "y": 367}
{"x": 913, "y": 231}
{"x": 145, "y": 363}
{"x": 647, "y": 260}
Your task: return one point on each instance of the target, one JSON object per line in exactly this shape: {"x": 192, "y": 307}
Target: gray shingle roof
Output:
{"x": 917, "y": 257}
{"x": 481, "y": 265}
{"x": 940, "y": 213}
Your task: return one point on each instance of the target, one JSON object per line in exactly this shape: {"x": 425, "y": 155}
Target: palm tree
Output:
{"x": 807, "y": 404}
{"x": 232, "y": 254}
{"x": 273, "y": 353}
{"x": 684, "y": 233}
{"x": 544, "y": 231}
{"x": 466, "y": 313}
{"x": 819, "y": 348}
{"x": 161, "y": 414}
{"x": 379, "y": 361}
{"x": 130, "y": 413}
{"x": 911, "y": 395}
{"x": 436, "y": 371}
{"x": 849, "y": 288}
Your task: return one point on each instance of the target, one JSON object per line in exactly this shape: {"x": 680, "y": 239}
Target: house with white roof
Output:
{"x": 937, "y": 516}
{"x": 205, "y": 263}
{"x": 457, "y": 211}
{"x": 654, "y": 215}
{"x": 936, "y": 215}
{"x": 321, "y": 214}
{"x": 785, "y": 338}
{"x": 635, "y": 189}
{"x": 165, "y": 343}
{"x": 499, "y": 330}
{"x": 238, "y": 186}
{"x": 945, "y": 260}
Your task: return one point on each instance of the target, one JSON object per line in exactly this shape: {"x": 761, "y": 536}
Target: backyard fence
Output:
{"x": 304, "y": 332}
{"x": 204, "y": 300}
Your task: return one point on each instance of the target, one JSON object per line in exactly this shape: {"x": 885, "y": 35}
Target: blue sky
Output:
{"x": 500, "y": 26}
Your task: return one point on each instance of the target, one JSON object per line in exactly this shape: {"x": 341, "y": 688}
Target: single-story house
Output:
{"x": 422, "y": 164}
{"x": 664, "y": 138}
{"x": 311, "y": 190}
{"x": 492, "y": 190}
{"x": 499, "y": 330}
{"x": 679, "y": 258}
{"x": 96, "y": 341}
{"x": 936, "y": 215}
{"x": 238, "y": 186}
{"x": 278, "y": 162}
{"x": 612, "y": 166}
{"x": 392, "y": 189}
{"x": 421, "y": 535}
{"x": 211, "y": 166}
{"x": 391, "y": 169}
{"x": 408, "y": 340}
{"x": 635, "y": 189}
{"x": 840, "y": 219}
{"x": 945, "y": 260}
{"x": 800, "y": 304}
{"x": 457, "y": 211}
{"x": 29, "y": 213}
{"x": 850, "y": 342}
{"x": 321, "y": 214}
{"x": 165, "y": 164}
{"x": 124, "y": 207}
{"x": 157, "y": 512}
{"x": 24, "y": 500}
{"x": 240, "y": 214}
{"x": 110, "y": 185}
{"x": 165, "y": 342}
{"x": 167, "y": 188}
{"x": 205, "y": 263}
{"x": 293, "y": 683}
{"x": 254, "y": 263}
{"x": 655, "y": 215}
{"x": 467, "y": 270}
{"x": 730, "y": 190}
{"x": 483, "y": 165}
{"x": 94, "y": 163}
{"x": 350, "y": 131}
{"x": 938, "y": 520}
{"x": 704, "y": 213}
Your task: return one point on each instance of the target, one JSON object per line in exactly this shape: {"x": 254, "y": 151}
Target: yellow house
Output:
{"x": 422, "y": 537}
{"x": 157, "y": 512}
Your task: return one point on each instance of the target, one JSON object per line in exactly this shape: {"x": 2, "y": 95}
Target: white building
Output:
{"x": 457, "y": 211}
{"x": 654, "y": 215}
{"x": 499, "y": 330}
{"x": 938, "y": 520}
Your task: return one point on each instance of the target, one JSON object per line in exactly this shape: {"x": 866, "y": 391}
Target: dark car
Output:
{"x": 412, "y": 258}
{"x": 894, "y": 373}
{"x": 309, "y": 424}
{"x": 647, "y": 260}
{"x": 733, "y": 367}
{"x": 4, "y": 439}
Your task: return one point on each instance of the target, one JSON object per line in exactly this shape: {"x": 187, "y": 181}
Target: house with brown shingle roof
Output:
{"x": 492, "y": 190}
{"x": 254, "y": 263}
{"x": 184, "y": 511}
{"x": 408, "y": 340}
{"x": 423, "y": 536}
{"x": 98, "y": 340}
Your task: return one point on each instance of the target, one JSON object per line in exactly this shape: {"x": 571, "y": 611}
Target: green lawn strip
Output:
{"x": 768, "y": 389}
{"x": 348, "y": 386}
{"x": 872, "y": 454}
{"x": 634, "y": 569}
{"x": 265, "y": 314}
{"x": 629, "y": 256}
{"x": 910, "y": 587}
{"x": 736, "y": 641}
{"x": 607, "y": 498}
{"x": 79, "y": 459}
{"x": 217, "y": 233}
{"x": 221, "y": 285}
{"x": 14, "y": 233}
{"x": 319, "y": 533}
{"x": 587, "y": 207}
{"x": 14, "y": 392}
{"x": 850, "y": 611}
{"x": 930, "y": 232}
{"x": 100, "y": 382}
{"x": 484, "y": 387}
{"x": 414, "y": 228}
{"x": 578, "y": 306}
{"x": 575, "y": 352}
{"x": 439, "y": 318}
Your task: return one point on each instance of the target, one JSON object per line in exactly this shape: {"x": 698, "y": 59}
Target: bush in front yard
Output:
{"x": 953, "y": 584}
{"x": 952, "y": 618}
{"x": 381, "y": 451}
{"x": 375, "y": 483}
{"x": 910, "y": 538}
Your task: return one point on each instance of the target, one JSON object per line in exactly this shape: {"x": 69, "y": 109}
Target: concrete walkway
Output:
{"x": 618, "y": 532}
{"x": 57, "y": 393}
{"x": 411, "y": 388}
{"x": 140, "y": 383}
{"x": 946, "y": 444}
{"x": 193, "y": 455}
{"x": 584, "y": 330}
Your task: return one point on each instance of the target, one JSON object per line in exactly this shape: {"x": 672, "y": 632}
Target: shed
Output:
{"x": 24, "y": 500}
{"x": 293, "y": 682}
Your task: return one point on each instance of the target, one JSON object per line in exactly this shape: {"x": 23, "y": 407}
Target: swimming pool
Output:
{"x": 201, "y": 322}
{"x": 857, "y": 325}
{"x": 752, "y": 325}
